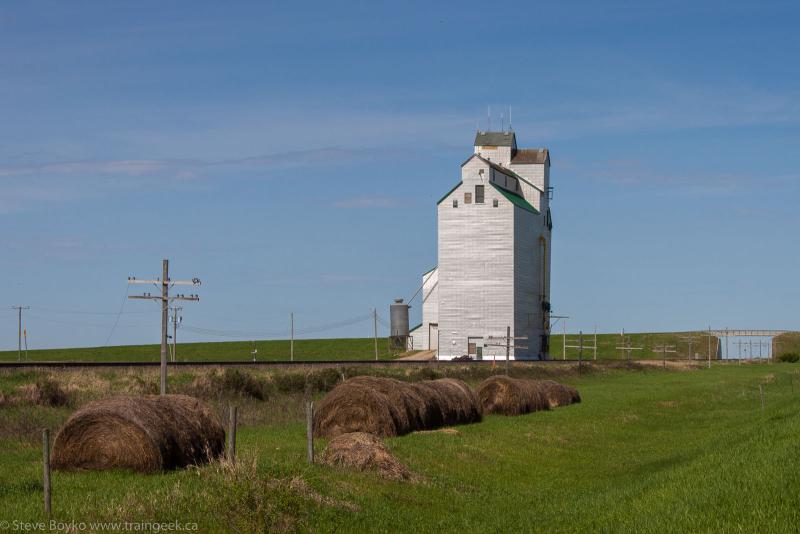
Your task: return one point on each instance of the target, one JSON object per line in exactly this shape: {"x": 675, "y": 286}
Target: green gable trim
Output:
{"x": 432, "y": 268}
{"x": 515, "y": 199}
{"x": 415, "y": 328}
{"x": 448, "y": 193}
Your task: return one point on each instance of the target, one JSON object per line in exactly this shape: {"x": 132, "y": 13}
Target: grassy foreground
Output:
{"x": 270, "y": 350}
{"x": 646, "y": 451}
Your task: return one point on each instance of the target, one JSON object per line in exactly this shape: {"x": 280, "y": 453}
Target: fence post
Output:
{"x": 46, "y": 468}
{"x": 232, "y": 412}
{"x": 310, "y": 431}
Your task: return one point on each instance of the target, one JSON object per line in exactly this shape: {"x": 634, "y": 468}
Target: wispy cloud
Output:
{"x": 29, "y": 185}
{"x": 368, "y": 202}
{"x": 144, "y": 167}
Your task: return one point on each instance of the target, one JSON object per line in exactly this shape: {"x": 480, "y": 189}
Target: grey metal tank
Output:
{"x": 398, "y": 317}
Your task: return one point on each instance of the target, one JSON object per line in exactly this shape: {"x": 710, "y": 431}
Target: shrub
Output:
{"x": 790, "y": 357}
{"x": 243, "y": 384}
{"x": 49, "y": 393}
{"x": 290, "y": 382}
{"x": 230, "y": 383}
{"x": 324, "y": 380}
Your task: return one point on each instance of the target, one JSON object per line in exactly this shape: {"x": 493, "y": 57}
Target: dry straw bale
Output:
{"x": 512, "y": 396}
{"x": 389, "y": 407}
{"x": 146, "y": 433}
{"x": 559, "y": 394}
{"x": 364, "y": 452}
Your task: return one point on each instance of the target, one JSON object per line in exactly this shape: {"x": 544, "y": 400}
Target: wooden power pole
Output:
{"x": 19, "y": 330}
{"x": 165, "y": 283}
{"x": 375, "y": 331}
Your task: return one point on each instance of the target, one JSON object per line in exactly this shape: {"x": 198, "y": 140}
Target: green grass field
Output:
{"x": 364, "y": 349}
{"x": 646, "y": 451}
{"x": 304, "y": 349}
{"x": 650, "y": 343}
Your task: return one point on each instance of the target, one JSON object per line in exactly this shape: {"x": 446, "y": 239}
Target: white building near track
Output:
{"x": 493, "y": 272}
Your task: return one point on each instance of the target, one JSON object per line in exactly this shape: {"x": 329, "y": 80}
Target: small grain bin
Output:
{"x": 398, "y": 331}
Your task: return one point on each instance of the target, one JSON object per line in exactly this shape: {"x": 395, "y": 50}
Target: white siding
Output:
{"x": 430, "y": 298}
{"x": 496, "y": 154}
{"x": 528, "y": 281}
{"x": 537, "y": 175}
{"x": 476, "y": 268}
{"x": 430, "y": 309}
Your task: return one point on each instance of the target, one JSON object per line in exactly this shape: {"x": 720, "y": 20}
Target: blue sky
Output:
{"x": 290, "y": 155}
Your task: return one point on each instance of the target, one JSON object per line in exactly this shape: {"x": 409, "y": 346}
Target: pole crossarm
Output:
{"x": 192, "y": 282}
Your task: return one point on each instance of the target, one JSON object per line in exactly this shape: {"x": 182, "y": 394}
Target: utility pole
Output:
{"x": 508, "y": 347}
{"x": 595, "y": 342}
{"x": 501, "y": 341}
{"x": 175, "y": 322}
{"x": 727, "y": 347}
{"x": 19, "y": 329}
{"x": 690, "y": 341}
{"x": 291, "y": 342}
{"x": 627, "y": 348}
{"x": 664, "y": 349}
{"x": 164, "y": 283}
{"x": 375, "y": 329}
{"x": 564, "y": 354}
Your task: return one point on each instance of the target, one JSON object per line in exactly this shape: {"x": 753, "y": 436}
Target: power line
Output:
{"x": 82, "y": 312}
{"x": 277, "y": 333}
{"x": 116, "y": 322}
{"x": 83, "y": 323}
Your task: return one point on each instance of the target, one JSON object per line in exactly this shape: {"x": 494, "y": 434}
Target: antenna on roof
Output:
{"x": 489, "y": 118}
{"x": 509, "y": 119}
{"x": 502, "y": 124}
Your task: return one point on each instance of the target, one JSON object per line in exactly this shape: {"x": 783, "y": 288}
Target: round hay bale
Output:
{"x": 559, "y": 394}
{"x": 364, "y": 452}
{"x": 574, "y": 396}
{"x": 352, "y": 407}
{"x": 511, "y": 396}
{"x": 458, "y": 404}
{"x": 555, "y": 393}
{"x": 147, "y": 434}
{"x": 410, "y": 404}
{"x": 388, "y": 407}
